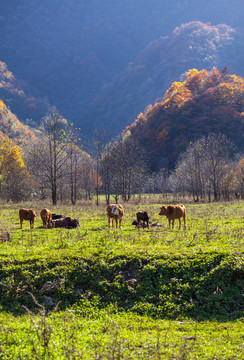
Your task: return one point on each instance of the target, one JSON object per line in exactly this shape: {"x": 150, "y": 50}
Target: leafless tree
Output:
{"x": 129, "y": 167}
{"x": 204, "y": 168}
{"x": 239, "y": 178}
{"x": 47, "y": 156}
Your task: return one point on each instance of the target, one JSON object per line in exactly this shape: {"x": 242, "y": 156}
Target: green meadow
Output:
{"x": 100, "y": 293}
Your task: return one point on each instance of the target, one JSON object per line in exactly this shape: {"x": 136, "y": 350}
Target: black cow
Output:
{"x": 55, "y": 216}
{"x": 143, "y": 216}
{"x": 66, "y": 222}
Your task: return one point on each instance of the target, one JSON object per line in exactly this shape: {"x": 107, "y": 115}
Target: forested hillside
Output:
{"x": 162, "y": 61}
{"x": 11, "y": 127}
{"x": 204, "y": 102}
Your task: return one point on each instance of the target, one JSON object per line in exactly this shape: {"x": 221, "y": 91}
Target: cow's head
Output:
{"x": 162, "y": 211}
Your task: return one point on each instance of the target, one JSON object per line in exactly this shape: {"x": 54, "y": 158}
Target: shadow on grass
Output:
{"x": 203, "y": 287}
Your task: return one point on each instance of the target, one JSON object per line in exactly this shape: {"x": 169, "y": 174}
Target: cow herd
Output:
{"x": 115, "y": 212}
{"x": 172, "y": 212}
{"x": 49, "y": 220}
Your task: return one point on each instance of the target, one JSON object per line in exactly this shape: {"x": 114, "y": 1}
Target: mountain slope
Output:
{"x": 205, "y": 102}
{"x": 194, "y": 44}
{"x": 23, "y": 99}
{"x": 11, "y": 127}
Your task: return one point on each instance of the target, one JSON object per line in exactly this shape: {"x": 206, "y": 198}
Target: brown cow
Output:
{"x": 66, "y": 222}
{"x": 27, "y": 214}
{"x": 173, "y": 212}
{"x": 46, "y": 216}
{"x": 115, "y": 212}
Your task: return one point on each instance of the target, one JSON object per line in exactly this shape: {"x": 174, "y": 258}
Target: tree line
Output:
{"x": 55, "y": 166}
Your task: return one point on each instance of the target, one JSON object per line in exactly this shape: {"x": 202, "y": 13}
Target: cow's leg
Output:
{"x": 184, "y": 218}
{"x": 169, "y": 223}
{"x": 116, "y": 221}
{"x": 108, "y": 221}
{"x": 173, "y": 221}
{"x": 179, "y": 223}
{"x": 21, "y": 222}
{"x": 120, "y": 223}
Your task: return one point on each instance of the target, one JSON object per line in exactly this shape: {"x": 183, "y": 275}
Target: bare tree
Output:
{"x": 204, "y": 168}
{"x": 99, "y": 149}
{"x": 47, "y": 157}
{"x": 218, "y": 153}
{"x": 239, "y": 173}
{"x": 74, "y": 154}
{"x": 129, "y": 164}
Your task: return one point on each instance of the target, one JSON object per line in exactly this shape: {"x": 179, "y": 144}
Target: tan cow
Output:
{"x": 46, "y": 217}
{"x": 173, "y": 212}
{"x": 115, "y": 212}
{"x": 27, "y": 214}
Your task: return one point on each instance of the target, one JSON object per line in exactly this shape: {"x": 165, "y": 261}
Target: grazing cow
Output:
{"x": 115, "y": 212}
{"x": 27, "y": 214}
{"x": 56, "y": 216}
{"x": 173, "y": 212}
{"x": 143, "y": 216}
{"x": 46, "y": 217}
{"x": 66, "y": 222}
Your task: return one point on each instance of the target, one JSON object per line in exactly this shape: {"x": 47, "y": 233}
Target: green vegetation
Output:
{"x": 123, "y": 294}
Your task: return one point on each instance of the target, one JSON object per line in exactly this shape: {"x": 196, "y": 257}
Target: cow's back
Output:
{"x": 175, "y": 211}
{"x": 115, "y": 210}
{"x": 27, "y": 214}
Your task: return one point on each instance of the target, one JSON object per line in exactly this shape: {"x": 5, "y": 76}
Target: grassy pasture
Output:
{"x": 123, "y": 294}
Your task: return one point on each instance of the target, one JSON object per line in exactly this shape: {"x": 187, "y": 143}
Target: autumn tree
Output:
{"x": 15, "y": 180}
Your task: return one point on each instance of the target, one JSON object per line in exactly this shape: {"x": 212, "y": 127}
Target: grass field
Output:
{"x": 123, "y": 293}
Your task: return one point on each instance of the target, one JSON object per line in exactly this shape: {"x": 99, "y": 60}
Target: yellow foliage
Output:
{"x": 2, "y": 104}
{"x": 10, "y": 156}
{"x": 172, "y": 90}
{"x": 192, "y": 72}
